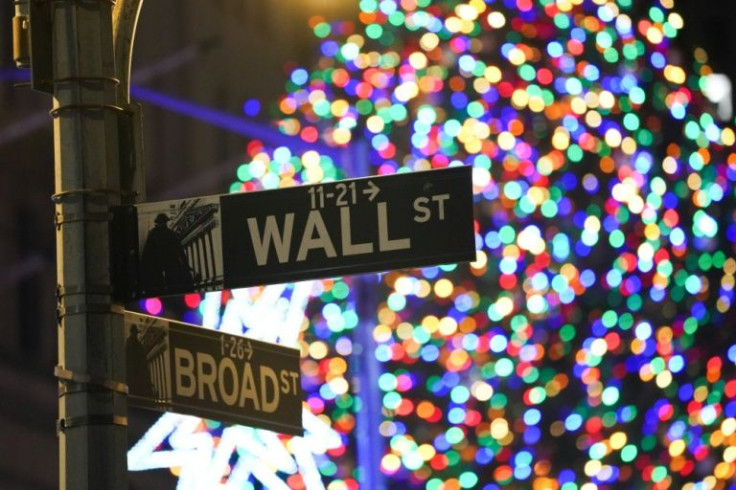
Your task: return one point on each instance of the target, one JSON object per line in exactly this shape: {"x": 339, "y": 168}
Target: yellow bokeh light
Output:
{"x": 564, "y": 5}
{"x": 592, "y": 467}
{"x": 406, "y": 91}
{"x": 429, "y": 41}
{"x": 375, "y": 124}
{"x": 598, "y": 347}
{"x": 466, "y": 12}
{"x": 341, "y": 136}
{"x": 645, "y": 372}
{"x": 651, "y": 231}
{"x": 613, "y": 137}
{"x": 536, "y": 104}
{"x": 404, "y": 285}
{"x": 481, "y": 260}
{"x": 606, "y": 99}
{"x": 310, "y": 159}
{"x": 724, "y": 471}
{"x": 675, "y": 20}
{"x": 316, "y": 96}
{"x": 478, "y": 5}
{"x": 728, "y": 137}
{"x": 628, "y": 145}
{"x": 618, "y": 440}
{"x": 520, "y": 98}
{"x": 426, "y": 451}
{"x": 591, "y": 99}
{"x": 458, "y": 359}
{"x": 669, "y": 165}
{"x": 481, "y": 130}
{"x": 700, "y": 394}
{"x": 516, "y": 56}
{"x": 655, "y": 35}
{"x": 592, "y": 223}
{"x": 473, "y": 146}
{"x": 356, "y": 39}
{"x": 674, "y": 74}
{"x": 537, "y": 194}
{"x": 729, "y": 454}
{"x": 314, "y": 174}
{"x": 418, "y": 60}
{"x": 593, "y": 119}
{"x": 506, "y": 140}
{"x": 453, "y": 24}
{"x": 390, "y": 463}
{"x": 339, "y": 386}
{"x": 561, "y": 139}
{"x": 499, "y": 428}
{"x": 339, "y": 107}
{"x": 496, "y": 20}
{"x": 481, "y": 85}
{"x": 694, "y": 182}
{"x": 431, "y": 323}
{"x": 318, "y": 350}
{"x": 382, "y": 333}
{"x": 636, "y": 204}
{"x": 578, "y": 106}
{"x": 482, "y": 391}
{"x": 338, "y": 365}
{"x": 504, "y": 306}
{"x": 545, "y": 165}
{"x": 728, "y": 426}
{"x": 492, "y": 74}
{"x": 677, "y": 447}
{"x": 447, "y": 326}
{"x": 404, "y": 331}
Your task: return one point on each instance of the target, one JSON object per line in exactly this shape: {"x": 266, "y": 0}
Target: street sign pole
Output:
{"x": 91, "y": 372}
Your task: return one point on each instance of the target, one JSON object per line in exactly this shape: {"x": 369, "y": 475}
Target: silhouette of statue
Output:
{"x": 136, "y": 366}
{"x": 164, "y": 264}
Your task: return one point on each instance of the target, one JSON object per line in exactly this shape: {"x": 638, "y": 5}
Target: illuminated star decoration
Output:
{"x": 272, "y": 314}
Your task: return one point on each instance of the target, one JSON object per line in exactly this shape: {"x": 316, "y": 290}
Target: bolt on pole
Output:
{"x": 92, "y": 403}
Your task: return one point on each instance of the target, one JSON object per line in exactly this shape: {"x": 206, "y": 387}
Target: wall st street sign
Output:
{"x": 338, "y": 228}
{"x": 174, "y": 366}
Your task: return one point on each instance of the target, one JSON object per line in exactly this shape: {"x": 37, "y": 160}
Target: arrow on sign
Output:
{"x": 372, "y": 190}
{"x": 207, "y": 373}
{"x": 296, "y": 233}
{"x": 249, "y": 350}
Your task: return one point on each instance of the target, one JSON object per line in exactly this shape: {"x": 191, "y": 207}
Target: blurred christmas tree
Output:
{"x": 591, "y": 344}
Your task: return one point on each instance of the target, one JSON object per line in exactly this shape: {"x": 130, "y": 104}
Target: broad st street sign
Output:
{"x": 338, "y": 228}
{"x": 174, "y": 366}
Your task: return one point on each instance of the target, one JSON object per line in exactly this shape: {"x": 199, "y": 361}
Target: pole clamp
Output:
{"x": 66, "y": 377}
{"x": 112, "y": 80}
{"x": 100, "y": 289}
{"x": 56, "y": 112}
{"x": 72, "y": 194}
{"x": 94, "y": 419}
{"x": 60, "y": 218}
{"x": 101, "y": 308}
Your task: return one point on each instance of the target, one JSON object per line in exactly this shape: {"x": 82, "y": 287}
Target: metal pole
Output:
{"x": 92, "y": 404}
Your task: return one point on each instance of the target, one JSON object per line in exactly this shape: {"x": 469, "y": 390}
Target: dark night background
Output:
{"x": 217, "y": 54}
